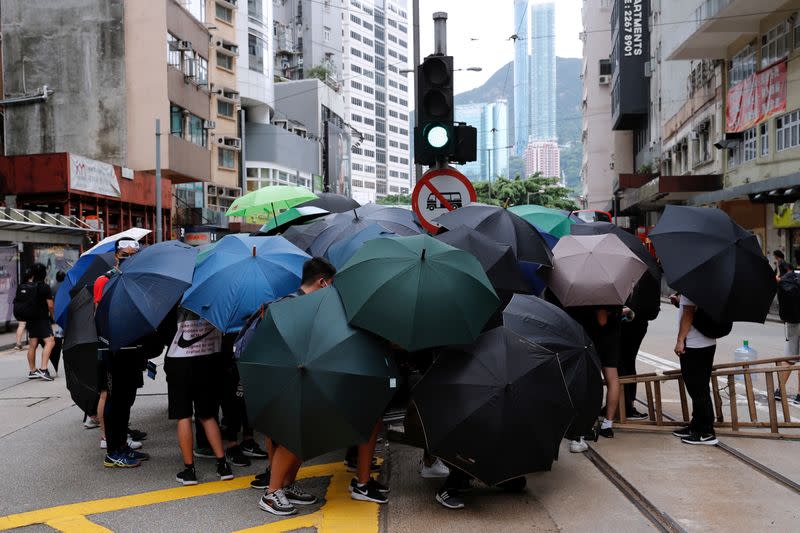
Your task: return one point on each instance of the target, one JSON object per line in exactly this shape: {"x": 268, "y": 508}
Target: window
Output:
{"x": 403, "y": 102}
{"x": 393, "y": 144}
{"x": 776, "y": 44}
{"x": 393, "y": 129}
{"x": 355, "y": 52}
{"x": 368, "y": 58}
{"x": 749, "y": 145}
{"x": 367, "y": 25}
{"x": 255, "y": 10}
{"x": 403, "y": 146}
{"x": 368, "y": 105}
{"x": 368, "y": 73}
{"x": 764, "y": 134}
{"x": 356, "y": 150}
{"x": 226, "y": 158}
{"x": 355, "y": 85}
{"x": 392, "y": 98}
{"x": 197, "y": 134}
{"x": 358, "y": 166}
{"x": 356, "y": 118}
{"x": 404, "y": 88}
{"x": 391, "y": 23}
{"x": 403, "y": 58}
{"x": 224, "y": 14}
{"x": 402, "y": 28}
{"x": 787, "y": 131}
{"x": 224, "y": 61}
{"x": 403, "y": 43}
{"x": 394, "y": 174}
{"x": 202, "y": 70}
{"x": 176, "y": 121}
{"x": 403, "y": 160}
{"x": 173, "y": 54}
{"x": 255, "y": 50}
{"x": 355, "y": 101}
{"x": 742, "y": 65}
{"x": 356, "y": 69}
{"x": 380, "y": 80}
{"x": 392, "y": 112}
{"x": 355, "y": 19}
{"x": 354, "y": 35}
{"x": 379, "y": 34}
{"x": 225, "y": 109}
{"x": 326, "y": 33}
{"x": 369, "y": 153}
{"x": 369, "y": 121}
{"x": 369, "y": 90}
{"x": 403, "y": 117}
{"x": 393, "y": 159}
{"x": 393, "y": 83}
{"x": 368, "y": 41}
{"x": 403, "y": 131}
{"x": 380, "y": 157}
{"x": 392, "y": 53}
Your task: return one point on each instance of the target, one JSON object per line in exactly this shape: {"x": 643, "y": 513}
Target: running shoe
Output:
{"x": 137, "y": 434}
{"x": 251, "y": 449}
{"x": 91, "y": 423}
{"x": 437, "y": 470}
{"x": 683, "y": 432}
{"x": 139, "y": 456}
{"x": 578, "y": 446}
{"x": 261, "y": 481}
{"x": 368, "y": 492}
{"x": 633, "y": 414}
{"x": 707, "y": 439}
{"x": 34, "y": 374}
{"x": 450, "y": 499}
{"x": 45, "y": 374}
{"x": 224, "y": 470}
{"x": 120, "y": 460}
{"x": 277, "y": 503}
{"x": 187, "y": 476}
{"x": 298, "y": 496}
{"x": 380, "y": 487}
{"x": 236, "y": 457}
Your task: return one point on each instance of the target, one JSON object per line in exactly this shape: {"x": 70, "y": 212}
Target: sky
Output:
{"x": 491, "y": 22}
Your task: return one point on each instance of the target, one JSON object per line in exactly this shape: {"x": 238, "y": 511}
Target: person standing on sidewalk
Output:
{"x": 789, "y": 310}
{"x": 34, "y": 301}
{"x": 696, "y": 353}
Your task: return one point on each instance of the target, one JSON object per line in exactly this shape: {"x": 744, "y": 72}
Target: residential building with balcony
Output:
{"x": 542, "y": 157}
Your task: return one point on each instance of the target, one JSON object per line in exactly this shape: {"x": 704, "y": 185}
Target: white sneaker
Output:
{"x": 578, "y": 446}
{"x": 436, "y": 470}
{"x": 103, "y": 444}
{"x": 91, "y": 423}
{"x": 134, "y": 444}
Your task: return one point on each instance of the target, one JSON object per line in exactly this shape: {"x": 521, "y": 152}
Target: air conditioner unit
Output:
{"x": 234, "y": 143}
{"x": 183, "y": 46}
{"x": 605, "y": 79}
{"x": 209, "y": 124}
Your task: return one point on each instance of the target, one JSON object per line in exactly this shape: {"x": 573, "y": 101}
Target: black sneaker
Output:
{"x": 633, "y": 414}
{"x": 45, "y": 374}
{"x": 236, "y": 457}
{"x": 450, "y": 499}
{"x": 298, "y": 496}
{"x": 187, "y": 476}
{"x": 368, "y": 493}
{"x": 777, "y": 394}
{"x": 204, "y": 453}
{"x": 137, "y": 434}
{"x": 224, "y": 471}
{"x": 683, "y": 432}
{"x": 708, "y": 439}
{"x": 380, "y": 487}
{"x": 261, "y": 481}
{"x": 277, "y": 504}
{"x": 34, "y": 374}
{"x": 352, "y": 465}
{"x": 606, "y": 432}
{"x": 796, "y": 399}
{"x": 251, "y": 449}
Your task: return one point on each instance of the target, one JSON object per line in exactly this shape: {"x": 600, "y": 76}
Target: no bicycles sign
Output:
{"x": 438, "y": 191}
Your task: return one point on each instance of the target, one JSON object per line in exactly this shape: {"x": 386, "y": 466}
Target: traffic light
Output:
{"x": 465, "y": 144}
{"x": 434, "y": 135}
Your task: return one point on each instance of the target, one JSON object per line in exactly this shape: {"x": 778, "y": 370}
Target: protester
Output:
{"x": 696, "y": 352}
{"x": 789, "y": 311}
{"x": 121, "y": 373}
{"x": 191, "y": 366}
{"x": 26, "y": 278}
{"x": 781, "y": 265}
{"x": 363, "y": 487}
{"x": 282, "y": 493}
{"x": 33, "y": 303}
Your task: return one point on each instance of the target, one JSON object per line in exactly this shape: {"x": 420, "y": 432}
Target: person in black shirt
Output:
{"x": 39, "y": 328}
{"x": 781, "y": 265}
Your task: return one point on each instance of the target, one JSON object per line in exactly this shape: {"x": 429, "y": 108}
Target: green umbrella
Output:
{"x": 550, "y": 221}
{"x": 312, "y": 382}
{"x": 417, "y": 292}
{"x": 269, "y": 200}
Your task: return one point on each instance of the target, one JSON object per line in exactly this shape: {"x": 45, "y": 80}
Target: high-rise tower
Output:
{"x": 521, "y": 75}
{"x": 542, "y": 71}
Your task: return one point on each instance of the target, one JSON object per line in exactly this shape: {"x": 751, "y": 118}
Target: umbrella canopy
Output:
{"x": 553, "y": 221}
{"x": 715, "y": 263}
{"x": 333, "y": 203}
{"x": 108, "y": 244}
{"x": 395, "y": 219}
{"x": 546, "y": 325}
{"x": 303, "y": 236}
{"x": 239, "y": 275}
{"x": 416, "y": 292}
{"x": 497, "y": 260}
{"x": 291, "y": 217}
{"x": 506, "y": 410}
{"x": 631, "y": 241}
{"x": 269, "y": 200}
{"x": 85, "y": 270}
{"x": 593, "y": 270}
{"x": 137, "y": 300}
{"x": 341, "y": 252}
{"x": 80, "y": 352}
{"x": 312, "y": 382}
{"x": 502, "y": 226}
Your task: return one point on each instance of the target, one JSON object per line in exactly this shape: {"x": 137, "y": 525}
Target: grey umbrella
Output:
{"x": 593, "y": 270}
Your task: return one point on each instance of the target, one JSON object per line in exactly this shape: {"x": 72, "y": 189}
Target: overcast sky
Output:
{"x": 491, "y": 22}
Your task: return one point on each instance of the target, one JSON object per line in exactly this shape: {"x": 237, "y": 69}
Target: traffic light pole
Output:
{"x": 440, "y": 48}
{"x": 415, "y": 8}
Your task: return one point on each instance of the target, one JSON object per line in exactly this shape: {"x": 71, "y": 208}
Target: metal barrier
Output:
{"x": 723, "y": 381}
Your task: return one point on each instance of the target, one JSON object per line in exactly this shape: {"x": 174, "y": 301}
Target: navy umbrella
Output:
{"x": 85, "y": 270}
{"x": 303, "y": 236}
{"x": 137, "y": 300}
{"x": 341, "y": 252}
{"x": 399, "y": 221}
{"x": 80, "y": 352}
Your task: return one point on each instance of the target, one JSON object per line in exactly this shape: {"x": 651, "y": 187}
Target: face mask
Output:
{"x": 122, "y": 260}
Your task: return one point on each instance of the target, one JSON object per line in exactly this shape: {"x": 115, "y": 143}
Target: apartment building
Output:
{"x": 542, "y": 157}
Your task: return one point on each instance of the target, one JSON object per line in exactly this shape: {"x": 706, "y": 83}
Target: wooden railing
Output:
{"x": 723, "y": 378}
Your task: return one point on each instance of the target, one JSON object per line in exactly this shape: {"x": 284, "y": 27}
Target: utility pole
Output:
{"x": 159, "y": 232}
{"x": 415, "y": 20}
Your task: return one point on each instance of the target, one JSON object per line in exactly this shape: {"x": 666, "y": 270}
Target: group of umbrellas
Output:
{"x": 319, "y": 370}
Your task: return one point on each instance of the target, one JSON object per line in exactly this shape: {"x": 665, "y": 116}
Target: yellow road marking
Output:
{"x": 339, "y": 514}
{"x": 76, "y": 524}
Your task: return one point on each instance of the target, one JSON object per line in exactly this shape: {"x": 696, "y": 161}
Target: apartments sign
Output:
{"x": 756, "y": 98}
{"x": 92, "y": 176}
{"x": 633, "y": 28}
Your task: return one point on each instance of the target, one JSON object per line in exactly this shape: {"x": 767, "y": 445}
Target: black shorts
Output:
{"x": 608, "y": 349}
{"x": 39, "y": 328}
{"x": 193, "y": 385}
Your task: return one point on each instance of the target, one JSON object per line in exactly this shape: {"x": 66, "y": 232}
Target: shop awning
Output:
{"x": 778, "y": 190}
{"x": 21, "y": 225}
{"x": 663, "y": 190}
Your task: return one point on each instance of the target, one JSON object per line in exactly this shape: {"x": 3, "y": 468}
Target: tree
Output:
{"x": 321, "y": 72}
{"x": 516, "y": 167}
{"x": 536, "y": 189}
{"x": 395, "y": 199}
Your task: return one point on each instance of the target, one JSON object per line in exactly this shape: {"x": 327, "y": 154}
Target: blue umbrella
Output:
{"x": 241, "y": 273}
{"x": 531, "y": 270}
{"x": 85, "y": 270}
{"x": 137, "y": 300}
{"x": 341, "y": 252}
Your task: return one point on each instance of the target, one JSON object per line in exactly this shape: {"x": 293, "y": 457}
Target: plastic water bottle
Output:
{"x": 745, "y": 353}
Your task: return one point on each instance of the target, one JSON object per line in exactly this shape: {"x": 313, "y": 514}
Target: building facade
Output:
{"x": 521, "y": 75}
{"x": 542, "y": 157}
{"x": 542, "y": 71}
{"x": 491, "y": 121}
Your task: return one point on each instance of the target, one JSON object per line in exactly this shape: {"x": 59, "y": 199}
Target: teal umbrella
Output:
{"x": 417, "y": 292}
{"x": 312, "y": 382}
{"x": 552, "y": 221}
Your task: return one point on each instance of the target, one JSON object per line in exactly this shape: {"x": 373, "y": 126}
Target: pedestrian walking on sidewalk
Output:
{"x": 789, "y": 310}
{"x": 696, "y": 352}
{"x": 33, "y": 304}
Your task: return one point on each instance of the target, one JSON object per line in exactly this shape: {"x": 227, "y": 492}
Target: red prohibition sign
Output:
{"x": 428, "y": 180}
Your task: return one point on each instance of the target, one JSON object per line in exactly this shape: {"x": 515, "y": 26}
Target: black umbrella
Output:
{"x": 715, "y": 263}
{"x": 496, "y": 409}
{"x": 101, "y": 263}
{"x": 501, "y": 226}
{"x": 80, "y": 352}
{"x": 291, "y": 217}
{"x": 631, "y": 241}
{"x": 303, "y": 236}
{"x": 497, "y": 260}
{"x": 401, "y": 222}
{"x": 333, "y": 203}
{"x": 548, "y": 326}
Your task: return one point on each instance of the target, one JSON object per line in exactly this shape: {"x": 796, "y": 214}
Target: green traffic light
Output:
{"x": 437, "y": 136}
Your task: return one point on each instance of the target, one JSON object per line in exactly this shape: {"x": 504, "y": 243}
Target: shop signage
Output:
{"x": 786, "y": 216}
{"x": 757, "y": 98}
{"x": 92, "y": 176}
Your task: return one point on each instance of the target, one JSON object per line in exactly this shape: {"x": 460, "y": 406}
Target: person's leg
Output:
{"x": 49, "y": 344}
{"x": 612, "y": 395}
{"x": 32, "y": 344}
{"x": 101, "y": 408}
{"x": 20, "y": 334}
{"x": 695, "y": 367}
{"x": 283, "y": 462}
{"x": 706, "y": 363}
{"x": 365, "y": 453}
{"x": 632, "y": 335}
{"x": 185, "y": 440}
{"x": 214, "y": 436}
{"x": 200, "y": 436}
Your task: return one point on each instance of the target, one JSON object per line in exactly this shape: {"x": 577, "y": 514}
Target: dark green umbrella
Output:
{"x": 313, "y": 383}
{"x": 417, "y": 292}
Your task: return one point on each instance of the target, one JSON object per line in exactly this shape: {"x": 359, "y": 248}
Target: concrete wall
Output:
{"x": 268, "y": 143}
{"x": 317, "y": 16}
{"x": 301, "y": 101}
{"x": 256, "y": 88}
{"x": 76, "y": 48}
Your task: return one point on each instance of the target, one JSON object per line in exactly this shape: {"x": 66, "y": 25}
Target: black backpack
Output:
{"x": 645, "y": 300}
{"x": 789, "y": 297}
{"x": 26, "y": 302}
{"x": 711, "y": 328}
